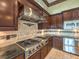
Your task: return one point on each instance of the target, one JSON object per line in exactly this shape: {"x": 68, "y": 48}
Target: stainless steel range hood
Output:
{"x": 28, "y": 14}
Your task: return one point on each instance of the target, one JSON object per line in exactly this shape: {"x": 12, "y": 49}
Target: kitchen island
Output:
{"x": 57, "y": 54}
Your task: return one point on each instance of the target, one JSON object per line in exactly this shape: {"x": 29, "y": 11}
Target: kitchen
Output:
{"x": 39, "y": 29}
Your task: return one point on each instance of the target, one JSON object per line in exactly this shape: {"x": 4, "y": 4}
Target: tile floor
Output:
{"x": 57, "y": 54}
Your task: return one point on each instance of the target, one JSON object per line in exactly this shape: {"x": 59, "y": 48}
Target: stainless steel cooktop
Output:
{"x": 30, "y": 46}
{"x": 28, "y": 43}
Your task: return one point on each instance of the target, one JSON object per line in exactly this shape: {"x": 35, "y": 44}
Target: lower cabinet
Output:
{"x": 41, "y": 54}
{"x": 37, "y": 55}
{"x": 50, "y": 44}
{"x": 44, "y": 51}
{"x": 22, "y": 56}
{"x": 58, "y": 42}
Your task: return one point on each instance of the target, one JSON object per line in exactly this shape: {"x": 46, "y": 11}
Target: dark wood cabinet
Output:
{"x": 75, "y": 14}
{"x": 44, "y": 51}
{"x": 22, "y": 56}
{"x": 71, "y": 15}
{"x": 46, "y": 24}
{"x": 53, "y": 20}
{"x": 67, "y": 15}
{"x": 40, "y": 25}
{"x": 37, "y": 55}
{"x": 8, "y": 15}
{"x": 50, "y": 44}
{"x": 57, "y": 21}
{"x": 58, "y": 42}
{"x": 43, "y": 25}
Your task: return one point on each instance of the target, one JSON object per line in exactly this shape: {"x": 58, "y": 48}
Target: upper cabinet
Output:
{"x": 71, "y": 14}
{"x": 48, "y": 18}
{"x": 43, "y": 25}
{"x": 57, "y": 21}
{"x": 75, "y": 14}
{"x": 53, "y": 22}
{"x": 40, "y": 25}
{"x": 8, "y": 15}
{"x": 67, "y": 15}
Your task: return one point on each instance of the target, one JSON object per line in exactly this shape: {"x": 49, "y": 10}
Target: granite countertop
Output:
{"x": 10, "y": 52}
{"x": 58, "y": 54}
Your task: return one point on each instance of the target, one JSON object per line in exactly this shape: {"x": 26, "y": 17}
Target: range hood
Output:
{"x": 28, "y": 14}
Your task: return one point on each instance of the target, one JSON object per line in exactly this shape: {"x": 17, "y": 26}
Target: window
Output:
{"x": 69, "y": 45}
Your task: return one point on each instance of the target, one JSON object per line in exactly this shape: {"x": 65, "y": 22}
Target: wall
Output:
{"x": 24, "y": 32}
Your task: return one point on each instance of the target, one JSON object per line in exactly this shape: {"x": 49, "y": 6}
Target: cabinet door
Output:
{"x": 75, "y": 14}
{"x": 71, "y": 15}
{"x": 50, "y": 44}
{"x": 53, "y": 20}
{"x": 43, "y": 25}
{"x": 40, "y": 25}
{"x": 67, "y": 15}
{"x": 36, "y": 55}
{"x": 57, "y": 21}
{"x": 8, "y": 14}
{"x": 20, "y": 57}
{"x": 44, "y": 52}
{"x": 48, "y": 18}
{"x": 58, "y": 42}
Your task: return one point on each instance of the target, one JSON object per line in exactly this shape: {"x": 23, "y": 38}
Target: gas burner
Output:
{"x": 28, "y": 43}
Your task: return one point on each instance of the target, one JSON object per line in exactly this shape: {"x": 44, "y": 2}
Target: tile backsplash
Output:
{"x": 24, "y": 32}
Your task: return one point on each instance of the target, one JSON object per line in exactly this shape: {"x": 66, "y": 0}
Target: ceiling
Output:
{"x": 52, "y": 2}
{"x": 57, "y": 6}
